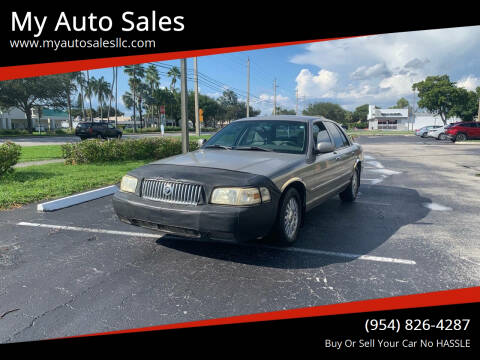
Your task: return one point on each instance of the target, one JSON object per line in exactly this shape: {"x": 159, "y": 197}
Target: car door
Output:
{"x": 344, "y": 154}
{"x": 320, "y": 176}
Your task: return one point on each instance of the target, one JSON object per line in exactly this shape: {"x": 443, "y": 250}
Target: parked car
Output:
{"x": 423, "y": 131}
{"x": 255, "y": 177}
{"x": 99, "y": 130}
{"x": 438, "y": 133}
{"x": 462, "y": 131}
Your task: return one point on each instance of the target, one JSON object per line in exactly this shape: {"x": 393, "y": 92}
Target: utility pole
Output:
{"x": 116, "y": 94}
{"x": 296, "y": 105}
{"x": 248, "y": 87}
{"x": 275, "y": 96}
{"x": 197, "y": 118}
{"x": 183, "y": 104}
{"x": 413, "y": 109}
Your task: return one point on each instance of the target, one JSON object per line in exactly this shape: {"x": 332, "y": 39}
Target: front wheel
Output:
{"x": 442, "y": 137}
{"x": 351, "y": 192}
{"x": 289, "y": 217}
{"x": 461, "y": 137}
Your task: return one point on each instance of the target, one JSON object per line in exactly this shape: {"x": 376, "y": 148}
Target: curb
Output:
{"x": 77, "y": 199}
{"x": 467, "y": 143}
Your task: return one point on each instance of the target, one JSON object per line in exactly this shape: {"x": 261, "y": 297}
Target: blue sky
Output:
{"x": 377, "y": 69}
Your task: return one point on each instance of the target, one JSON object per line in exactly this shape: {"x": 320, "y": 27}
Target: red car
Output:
{"x": 462, "y": 131}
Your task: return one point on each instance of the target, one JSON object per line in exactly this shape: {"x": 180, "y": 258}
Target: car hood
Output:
{"x": 253, "y": 162}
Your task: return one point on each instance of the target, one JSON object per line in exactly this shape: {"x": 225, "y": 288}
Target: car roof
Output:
{"x": 284, "y": 118}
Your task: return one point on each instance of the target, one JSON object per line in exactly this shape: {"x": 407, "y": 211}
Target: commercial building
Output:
{"x": 16, "y": 119}
{"x": 402, "y": 119}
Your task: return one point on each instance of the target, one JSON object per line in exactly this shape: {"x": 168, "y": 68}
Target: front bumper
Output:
{"x": 240, "y": 223}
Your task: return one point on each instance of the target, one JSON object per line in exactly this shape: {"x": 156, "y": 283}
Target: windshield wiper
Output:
{"x": 252, "y": 148}
{"x": 216, "y": 146}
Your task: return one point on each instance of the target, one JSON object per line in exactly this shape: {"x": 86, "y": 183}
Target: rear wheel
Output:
{"x": 289, "y": 217}
{"x": 461, "y": 137}
{"x": 351, "y": 192}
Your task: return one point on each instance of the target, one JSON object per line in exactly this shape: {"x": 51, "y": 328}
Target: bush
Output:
{"x": 13, "y": 132}
{"x": 9, "y": 155}
{"x": 95, "y": 151}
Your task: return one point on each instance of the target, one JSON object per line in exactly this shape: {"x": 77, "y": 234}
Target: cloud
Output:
{"x": 469, "y": 82}
{"x": 319, "y": 86}
{"x": 377, "y": 70}
{"x": 416, "y": 63}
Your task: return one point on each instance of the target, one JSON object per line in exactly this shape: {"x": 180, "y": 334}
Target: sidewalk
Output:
{"x": 40, "y": 162}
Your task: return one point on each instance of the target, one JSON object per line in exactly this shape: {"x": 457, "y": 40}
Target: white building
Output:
{"x": 16, "y": 119}
{"x": 402, "y": 119}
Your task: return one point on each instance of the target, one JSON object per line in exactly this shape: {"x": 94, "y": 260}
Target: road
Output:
{"x": 414, "y": 229}
{"x": 60, "y": 140}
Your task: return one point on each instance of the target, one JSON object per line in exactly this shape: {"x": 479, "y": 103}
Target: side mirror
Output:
{"x": 200, "y": 142}
{"x": 324, "y": 147}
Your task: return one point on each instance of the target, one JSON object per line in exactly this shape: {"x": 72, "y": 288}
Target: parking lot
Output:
{"x": 413, "y": 229}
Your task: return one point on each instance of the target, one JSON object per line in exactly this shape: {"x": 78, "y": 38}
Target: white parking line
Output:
{"x": 100, "y": 231}
{"x": 290, "y": 249}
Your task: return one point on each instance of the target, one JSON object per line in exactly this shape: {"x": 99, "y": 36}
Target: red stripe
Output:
{"x": 448, "y": 297}
{"x": 24, "y": 71}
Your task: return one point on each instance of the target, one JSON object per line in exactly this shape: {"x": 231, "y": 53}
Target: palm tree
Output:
{"x": 102, "y": 90}
{"x": 135, "y": 72}
{"x": 111, "y": 95}
{"x": 70, "y": 88}
{"x": 80, "y": 80}
{"x": 89, "y": 91}
{"x": 174, "y": 74}
{"x": 153, "y": 80}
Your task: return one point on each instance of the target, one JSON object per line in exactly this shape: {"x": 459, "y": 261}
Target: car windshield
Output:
{"x": 262, "y": 135}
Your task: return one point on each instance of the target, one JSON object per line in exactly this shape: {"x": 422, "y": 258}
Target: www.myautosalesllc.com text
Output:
{"x": 99, "y": 43}
{"x": 397, "y": 344}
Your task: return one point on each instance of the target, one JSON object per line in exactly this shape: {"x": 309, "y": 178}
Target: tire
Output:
{"x": 461, "y": 137}
{"x": 351, "y": 192}
{"x": 442, "y": 137}
{"x": 99, "y": 137}
{"x": 423, "y": 135}
{"x": 289, "y": 217}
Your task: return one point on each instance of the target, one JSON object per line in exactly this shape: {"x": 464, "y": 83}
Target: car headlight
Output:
{"x": 240, "y": 196}
{"x": 129, "y": 184}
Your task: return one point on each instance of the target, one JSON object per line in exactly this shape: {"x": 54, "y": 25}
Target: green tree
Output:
{"x": 438, "y": 95}
{"x": 102, "y": 90}
{"x": 466, "y": 104}
{"x": 81, "y": 84}
{"x": 327, "y": 109}
{"x": 136, "y": 73}
{"x": 25, "y": 94}
{"x": 152, "y": 78}
{"x": 402, "y": 103}
{"x": 282, "y": 111}
{"x": 174, "y": 74}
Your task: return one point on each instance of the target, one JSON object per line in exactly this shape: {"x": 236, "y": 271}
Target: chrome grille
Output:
{"x": 171, "y": 191}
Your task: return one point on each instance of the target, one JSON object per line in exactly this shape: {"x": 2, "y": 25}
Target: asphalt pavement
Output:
{"x": 413, "y": 229}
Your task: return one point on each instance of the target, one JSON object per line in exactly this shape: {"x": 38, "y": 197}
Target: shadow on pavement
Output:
{"x": 354, "y": 228}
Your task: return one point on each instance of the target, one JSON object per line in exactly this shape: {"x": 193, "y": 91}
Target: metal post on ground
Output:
{"x": 197, "y": 118}
{"x": 184, "y": 105}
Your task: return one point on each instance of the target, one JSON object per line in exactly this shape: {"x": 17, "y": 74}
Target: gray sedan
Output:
{"x": 256, "y": 177}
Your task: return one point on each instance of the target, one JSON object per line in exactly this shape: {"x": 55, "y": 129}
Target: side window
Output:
{"x": 320, "y": 133}
{"x": 337, "y": 137}
{"x": 344, "y": 137}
